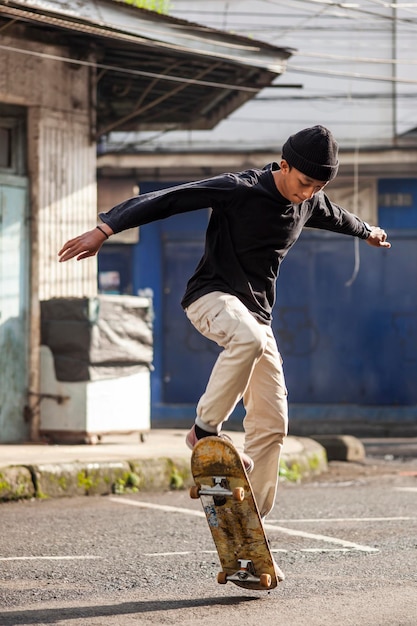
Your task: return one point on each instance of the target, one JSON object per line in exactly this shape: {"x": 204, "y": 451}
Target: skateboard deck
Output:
{"x": 222, "y": 485}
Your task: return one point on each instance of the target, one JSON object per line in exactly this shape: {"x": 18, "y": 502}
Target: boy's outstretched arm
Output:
{"x": 85, "y": 245}
{"x": 378, "y": 238}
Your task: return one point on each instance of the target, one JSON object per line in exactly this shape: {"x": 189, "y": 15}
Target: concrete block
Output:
{"x": 56, "y": 480}
{"x": 163, "y": 473}
{"x": 342, "y": 447}
{"x": 104, "y": 477}
{"x": 16, "y": 482}
{"x": 303, "y": 459}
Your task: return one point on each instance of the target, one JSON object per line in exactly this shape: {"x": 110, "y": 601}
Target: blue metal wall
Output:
{"x": 349, "y": 344}
{"x": 350, "y": 352}
{"x": 398, "y": 202}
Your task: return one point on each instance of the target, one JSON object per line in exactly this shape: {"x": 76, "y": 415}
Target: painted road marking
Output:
{"x": 406, "y": 489}
{"x": 48, "y": 558}
{"x": 325, "y": 538}
{"x": 341, "y": 519}
{"x": 274, "y": 550}
{"x": 281, "y": 529}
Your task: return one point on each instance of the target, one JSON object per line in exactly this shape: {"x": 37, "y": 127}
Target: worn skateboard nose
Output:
{"x": 191, "y": 440}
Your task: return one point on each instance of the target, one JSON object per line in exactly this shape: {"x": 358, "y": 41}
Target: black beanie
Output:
{"x": 313, "y": 151}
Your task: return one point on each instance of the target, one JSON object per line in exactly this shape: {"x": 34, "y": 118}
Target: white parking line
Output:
{"x": 325, "y": 538}
{"x": 340, "y": 519}
{"x": 182, "y": 553}
{"x": 274, "y": 550}
{"x": 158, "y": 507}
{"x": 281, "y": 529}
{"x": 406, "y": 489}
{"x": 48, "y": 558}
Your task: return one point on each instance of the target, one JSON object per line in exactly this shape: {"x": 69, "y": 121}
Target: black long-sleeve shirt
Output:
{"x": 251, "y": 229}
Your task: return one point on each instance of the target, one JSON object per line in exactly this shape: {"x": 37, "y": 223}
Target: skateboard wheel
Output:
{"x": 222, "y": 578}
{"x": 238, "y": 494}
{"x": 195, "y": 492}
{"x": 266, "y": 580}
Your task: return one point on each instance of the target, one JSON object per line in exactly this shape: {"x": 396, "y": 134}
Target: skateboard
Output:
{"x": 223, "y": 487}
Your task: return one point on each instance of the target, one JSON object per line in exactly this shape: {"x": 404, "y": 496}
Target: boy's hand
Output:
{"x": 378, "y": 238}
{"x": 83, "y": 246}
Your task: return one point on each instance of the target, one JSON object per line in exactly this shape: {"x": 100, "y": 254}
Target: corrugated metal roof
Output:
{"x": 153, "y": 71}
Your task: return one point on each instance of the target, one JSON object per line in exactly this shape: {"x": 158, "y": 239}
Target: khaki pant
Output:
{"x": 249, "y": 367}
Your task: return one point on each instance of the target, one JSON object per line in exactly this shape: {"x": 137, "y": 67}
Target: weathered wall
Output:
{"x": 66, "y": 203}
{"x": 61, "y": 166}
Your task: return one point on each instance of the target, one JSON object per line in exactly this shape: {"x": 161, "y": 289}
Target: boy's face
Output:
{"x": 296, "y": 186}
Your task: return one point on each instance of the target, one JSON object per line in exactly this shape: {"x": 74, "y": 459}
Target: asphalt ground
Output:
{"x": 345, "y": 538}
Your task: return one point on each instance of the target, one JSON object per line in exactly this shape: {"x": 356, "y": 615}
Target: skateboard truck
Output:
{"x": 246, "y": 573}
{"x": 220, "y": 489}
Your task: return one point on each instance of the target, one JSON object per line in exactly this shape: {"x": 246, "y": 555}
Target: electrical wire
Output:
{"x": 344, "y": 10}
{"x": 297, "y": 69}
{"x": 123, "y": 70}
{"x": 352, "y": 8}
{"x": 356, "y": 249}
{"x": 349, "y": 59}
{"x": 191, "y": 81}
{"x": 382, "y": 98}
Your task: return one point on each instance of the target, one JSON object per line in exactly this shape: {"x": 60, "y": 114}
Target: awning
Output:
{"x": 152, "y": 71}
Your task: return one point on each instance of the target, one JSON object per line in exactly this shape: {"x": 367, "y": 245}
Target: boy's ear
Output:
{"x": 285, "y": 168}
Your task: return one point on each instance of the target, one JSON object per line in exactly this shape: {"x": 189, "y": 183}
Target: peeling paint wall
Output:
{"x": 61, "y": 168}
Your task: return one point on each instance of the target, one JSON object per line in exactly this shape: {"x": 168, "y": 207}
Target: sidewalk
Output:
{"x": 123, "y": 464}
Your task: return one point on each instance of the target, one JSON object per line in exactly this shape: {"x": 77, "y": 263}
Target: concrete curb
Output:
{"x": 57, "y": 480}
{"x": 342, "y": 447}
{"x": 306, "y": 458}
{"x": 16, "y": 483}
{"x": 310, "y": 459}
